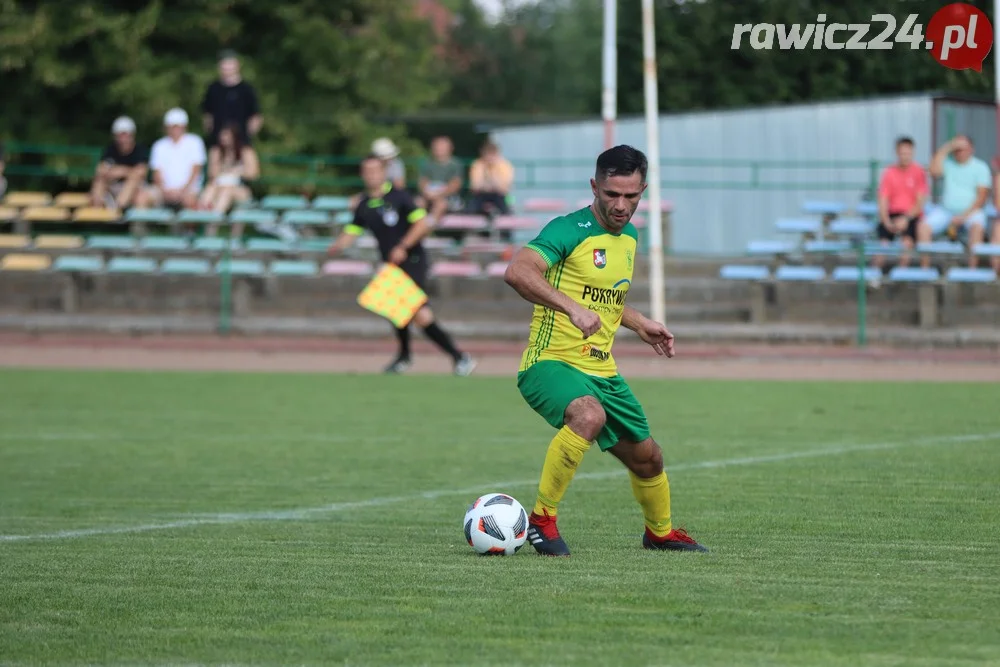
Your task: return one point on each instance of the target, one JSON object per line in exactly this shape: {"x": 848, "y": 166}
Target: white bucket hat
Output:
{"x": 123, "y": 124}
{"x": 384, "y": 148}
{"x": 175, "y": 116}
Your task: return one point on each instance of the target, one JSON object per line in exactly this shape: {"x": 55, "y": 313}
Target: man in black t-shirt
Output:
{"x": 230, "y": 100}
{"x": 122, "y": 169}
{"x": 398, "y": 226}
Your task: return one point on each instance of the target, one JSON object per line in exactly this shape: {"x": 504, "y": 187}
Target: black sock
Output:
{"x": 442, "y": 340}
{"x": 404, "y": 342}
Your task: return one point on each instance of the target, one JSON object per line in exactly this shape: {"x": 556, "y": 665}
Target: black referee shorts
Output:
{"x": 417, "y": 267}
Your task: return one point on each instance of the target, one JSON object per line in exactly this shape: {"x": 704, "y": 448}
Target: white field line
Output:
{"x": 307, "y": 512}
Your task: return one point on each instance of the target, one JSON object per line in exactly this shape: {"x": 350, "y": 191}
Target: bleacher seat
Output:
{"x": 987, "y": 250}
{"x": 284, "y": 202}
{"x": 25, "y": 199}
{"x": 185, "y": 266}
{"x": 78, "y": 263}
{"x": 958, "y": 274}
{"x": 463, "y": 222}
{"x": 131, "y": 265}
{"x": 344, "y": 218}
{"x": 194, "y": 217}
{"x": 317, "y": 244}
{"x": 798, "y": 226}
{"x": 516, "y": 222}
{"x": 111, "y": 243}
{"x": 744, "y": 272}
{"x": 90, "y": 214}
{"x": 24, "y": 262}
{"x": 789, "y": 273}
{"x": 665, "y": 206}
{"x": 496, "y": 269}
{"x": 892, "y": 249}
{"x": 14, "y": 241}
{"x": 331, "y": 203}
{"x": 766, "y": 247}
{"x": 366, "y": 242}
{"x": 347, "y": 267}
{"x": 268, "y": 245}
{"x": 437, "y": 243}
{"x": 240, "y": 267}
{"x": 826, "y": 247}
{"x": 852, "y": 227}
{"x": 866, "y": 208}
{"x": 45, "y": 214}
{"x": 946, "y": 248}
{"x": 164, "y": 243}
{"x": 216, "y": 244}
{"x": 253, "y": 216}
{"x": 293, "y": 268}
{"x": 819, "y": 207}
{"x": 849, "y": 274}
{"x": 7, "y": 213}
{"x": 72, "y": 199}
{"x": 304, "y": 217}
{"x": 58, "y": 242}
{"x": 584, "y": 202}
{"x": 484, "y": 246}
{"x": 546, "y": 205}
{"x": 456, "y": 269}
{"x": 913, "y": 274}
{"x": 151, "y": 215}
{"x": 639, "y": 221}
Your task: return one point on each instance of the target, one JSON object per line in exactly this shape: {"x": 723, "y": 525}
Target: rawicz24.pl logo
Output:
{"x": 958, "y": 36}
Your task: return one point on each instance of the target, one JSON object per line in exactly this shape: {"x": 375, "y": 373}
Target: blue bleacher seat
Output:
{"x": 892, "y": 249}
{"x": 912, "y": 274}
{"x": 131, "y": 265}
{"x": 852, "y": 227}
{"x": 159, "y": 215}
{"x": 799, "y": 273}
{"x": 305, "y": 218}
{"x": 988, "y": 250}
{"x": 216, "y": 244}
{"x": 185, "y": 266}
{"x": 111, "y": 243}
{"x": 241, "y": 267}
{"x": 318, "y": 244}
{"x": 253, "y": 216}
{"x": 331, "y": 203}
{"x": 850, "y": 274}
{"x": 166, "y": 243}
{"x": 826, "y": 247}
{"x": 866, "y": 208}
{"x": 268, "y": 245}
{"x": 798, "y": 226}
{"x": 941, "y": 248}
{"x": 193, "y": 217}
{"x": 957, "y": 274}
{"x": 770, "y": 247}
{"x": 344, "y": 218}
{"x": 78, "y": 263}
{"x": 284, "y": 202}
{"x": 990, "y": 210}
{"x": 294, "y": 268}
{"x": 744, "y": 272}
{"x": 817, "y": 207}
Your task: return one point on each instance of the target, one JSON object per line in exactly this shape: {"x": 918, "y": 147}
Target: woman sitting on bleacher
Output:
{"x": 231, "y": 165}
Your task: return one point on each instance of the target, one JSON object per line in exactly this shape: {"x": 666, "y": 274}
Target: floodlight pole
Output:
{"x": 654, "y": 228}
{"x": 609, "y": 83}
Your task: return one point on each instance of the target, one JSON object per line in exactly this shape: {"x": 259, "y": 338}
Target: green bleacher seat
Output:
{"x": 164, "y": 243}
{"x": 157, "y": 215}
{"x": 284, "y": 202}
{"x": 293, "y": 268}
{"x": 111, "y": 243}
{"x": 268, "y": 245}
{"x": 240, "y": 267}
{"x": 344, "y": 218}
{"x": 331, "y": 203}
{"x": 305, "y": 218}
{"x": 131, "y": 265}
{"x": 185, "y": 266}
{"x": 216, "y": 244}
{"x": 320, "y": 244}
{"x": 78, "y": 263}
{"x": 253, "y": 216}
{"x": 193, "y": 217}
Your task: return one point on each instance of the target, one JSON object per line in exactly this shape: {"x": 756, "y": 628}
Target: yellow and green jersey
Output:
{"x": 593, "y": 267}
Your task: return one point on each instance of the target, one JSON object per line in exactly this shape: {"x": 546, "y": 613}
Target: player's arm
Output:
{"x": 526, "y": 274}
{"x": 348, "y": 235}
{"x": 652, "y": 333}
{"x": 417, "y": 217}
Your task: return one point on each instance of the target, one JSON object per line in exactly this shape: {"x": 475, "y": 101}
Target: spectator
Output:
{"x": 177, "y": 160}
{"x": 966, "y": 187}
{"x": 490, "y": 180}
{"x": 902, "y": 193}
{"x": 230, "y": 99}
{"x": 440, "y": 181}
{"x": 123, "y": 168}
{"x": 3, "y": 181}
{"x": 231, "y": 165}
{"x": 395, "y": 171}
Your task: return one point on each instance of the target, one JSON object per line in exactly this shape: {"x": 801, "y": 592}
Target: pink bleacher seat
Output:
{"x": 456, "y": 269}
{"x": 484, "y": 246}
{"x": 463, "y": 222}
{"x": 639, "y": 221}
{"x": 347, "y": 267}
{"x": 580, "y": 203}
{"x": 517, "y": 222}
{"x": 546, "y": 205}
{"x": 496, "y": 269}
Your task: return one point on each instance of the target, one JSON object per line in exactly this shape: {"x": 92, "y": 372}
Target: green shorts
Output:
{"x": 550, "y": 386}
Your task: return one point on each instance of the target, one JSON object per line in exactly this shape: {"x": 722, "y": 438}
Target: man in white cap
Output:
{"x": 395, "y": 171}
{"x": 123, "y": 168}
{"x": 178, "y": 161}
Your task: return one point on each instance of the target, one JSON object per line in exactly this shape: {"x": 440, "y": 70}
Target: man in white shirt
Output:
{"x": 177, "y": 161}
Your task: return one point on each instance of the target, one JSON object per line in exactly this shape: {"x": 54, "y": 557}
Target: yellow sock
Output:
{"x": 564, "y": 455}
{"x": 654, "y": 496}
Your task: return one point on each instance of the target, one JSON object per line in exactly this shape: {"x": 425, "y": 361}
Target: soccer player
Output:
{"x": 398, "y": 226}
{"x": 577, "y": 272}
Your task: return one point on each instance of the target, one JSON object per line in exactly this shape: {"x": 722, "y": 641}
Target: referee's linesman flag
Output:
{"x": 393, "y": 295}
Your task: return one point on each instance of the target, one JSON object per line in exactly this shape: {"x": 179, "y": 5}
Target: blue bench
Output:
{"x": 193, "y": 217}
{"x": 268, "y": 245}
{"x": 111, "y": 243}
{"x": 294, "y": 268}
{"x": 253, "y": 217}
{"x": 305, "y": 218}
{"x": 958, "y": 274}
{"x": 284, "y": 202}
{"x": 164, "y": 243}
{"x": 744, "y": 272}
{"x": 216, "y": 244}
{"x": 78, "y": 263}
{"x": 826, "y": 247}
{"x": 913, "y": 274}
{"x": 770, "y": 247}
{"x": 185, "y": 266}
{"x": 154, "y": 215}
{"x": 132, "y": 265}
{"x": 789, "y": 273}
{"x": 852, "y": 227}
{"x": 988, "y": 250}
{"x": 867, "y": 208}
{"x": 819, "y": 207}
{"x": 876, "y": 249}
{"x": 240, "y": 267}
{"x": 849, "y": 274}
{"x": 947, "y": 248}
{"x": 798, "y": 226}
{"x": 331, "y": 203}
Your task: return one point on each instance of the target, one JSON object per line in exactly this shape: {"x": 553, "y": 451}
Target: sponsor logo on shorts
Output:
{"x": 591, "y": 351}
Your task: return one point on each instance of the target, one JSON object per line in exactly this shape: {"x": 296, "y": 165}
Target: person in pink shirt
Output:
{"x": 902, "y": 193}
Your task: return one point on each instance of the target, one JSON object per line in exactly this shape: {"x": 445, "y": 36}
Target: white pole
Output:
{"x": 654, "y": 228}
{"x": 609, "y": 92}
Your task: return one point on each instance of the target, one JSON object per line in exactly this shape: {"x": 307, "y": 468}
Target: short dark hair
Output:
{"x": 226, "y": 54}
{"x": 904, "y": 140}
{"x": 621, "y": 161}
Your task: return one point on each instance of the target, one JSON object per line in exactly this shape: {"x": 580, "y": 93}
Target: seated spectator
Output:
{"x": 395, "y": 171}
{"x": 231, "y": 165}
{"x": 229, "y": 99}
{"x": 966, "y": 187}
{"x": 490, "y": 180}
{"x": 440, "y": 181}
{"x": 3, "y": 181}
{"x": 902, "y": 193}
{"x": 177, "y": 161}
{"x": 122, "y": 171}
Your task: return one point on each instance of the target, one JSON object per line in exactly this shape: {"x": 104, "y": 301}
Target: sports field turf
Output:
{"x": 190, "y": 518}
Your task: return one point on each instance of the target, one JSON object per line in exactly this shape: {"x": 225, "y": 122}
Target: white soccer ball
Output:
{"x": 496, "y": 524}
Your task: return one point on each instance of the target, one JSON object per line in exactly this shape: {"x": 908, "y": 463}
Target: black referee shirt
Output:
{"x": 388, "y": 218}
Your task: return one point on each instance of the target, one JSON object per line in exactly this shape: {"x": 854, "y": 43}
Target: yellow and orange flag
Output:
{"x": 393, "y": 295}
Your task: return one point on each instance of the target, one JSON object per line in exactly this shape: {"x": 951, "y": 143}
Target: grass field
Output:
{"x": 182, "y": 518}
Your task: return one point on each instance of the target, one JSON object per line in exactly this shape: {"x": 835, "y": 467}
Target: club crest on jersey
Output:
{"x": 600, "y": 258}
{"x": 390, "y": 217}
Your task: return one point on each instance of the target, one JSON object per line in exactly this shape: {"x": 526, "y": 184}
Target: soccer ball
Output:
{"x": 496, "y": 524}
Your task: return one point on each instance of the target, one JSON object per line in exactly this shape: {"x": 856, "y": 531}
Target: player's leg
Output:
{"x": 975, "y": 227}
{"x": 464, "y": 364}
{"x": 402, "y": 362}
{"x": 627, "y": 437}
{"x": 564, "y": 397}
